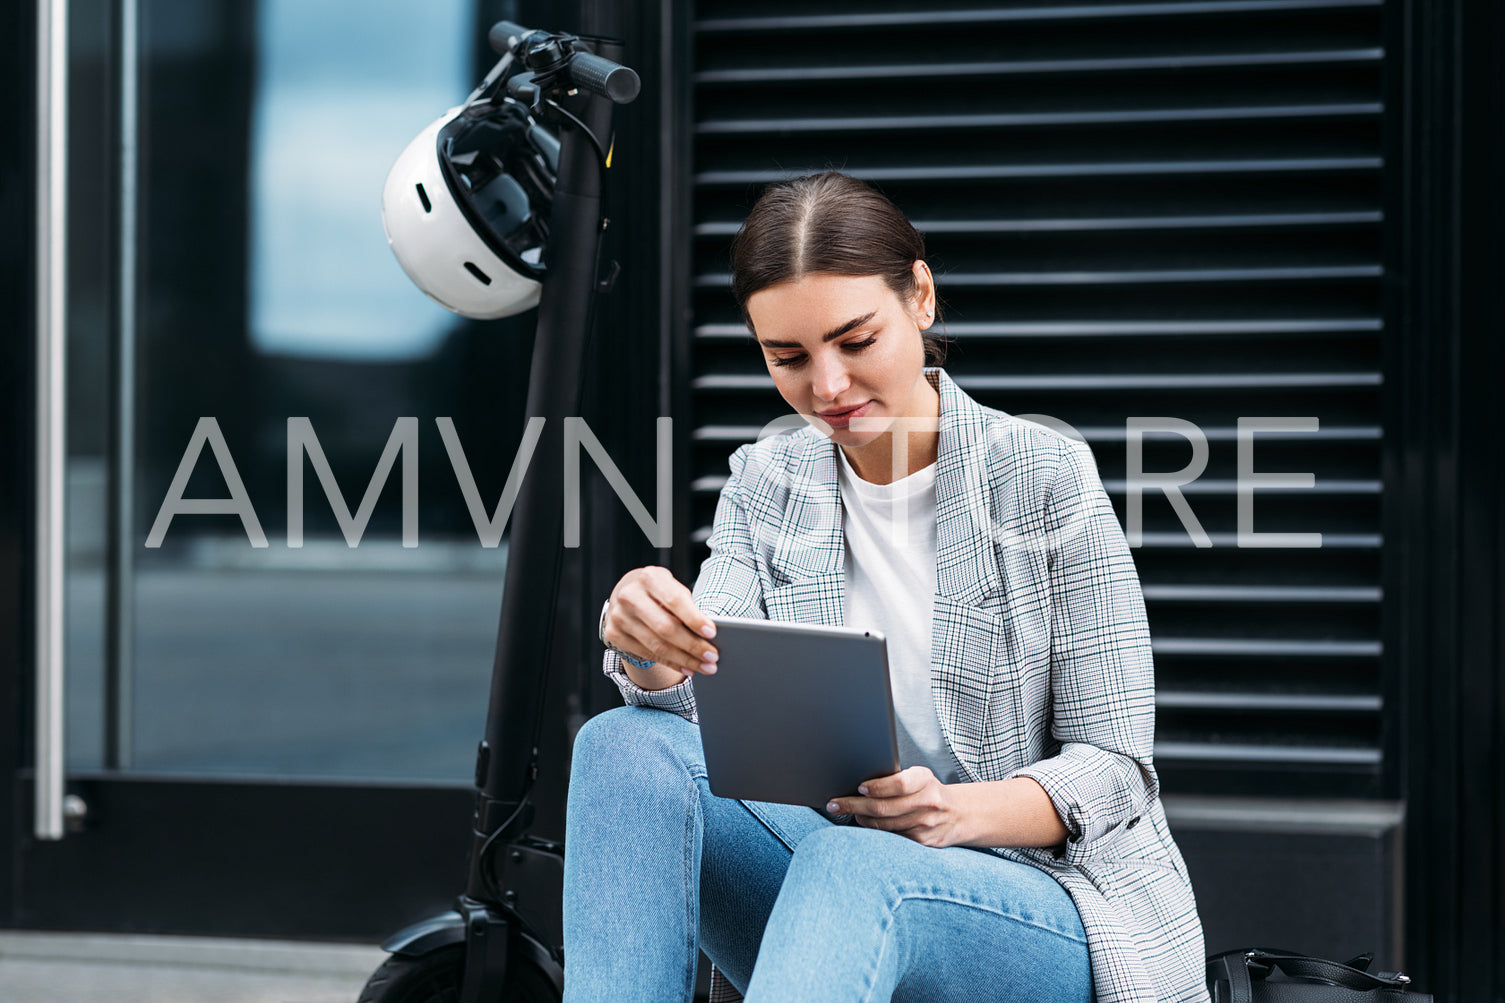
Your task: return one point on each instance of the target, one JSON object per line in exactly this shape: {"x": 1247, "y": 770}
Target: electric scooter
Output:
{"x": 503, "y": 939}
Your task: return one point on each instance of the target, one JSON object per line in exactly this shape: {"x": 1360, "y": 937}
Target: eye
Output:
{"x": 787, "y": 360}
{"x": 857, "y": 346}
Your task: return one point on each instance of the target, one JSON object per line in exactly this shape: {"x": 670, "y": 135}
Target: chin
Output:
{"x": 854, "y": 440}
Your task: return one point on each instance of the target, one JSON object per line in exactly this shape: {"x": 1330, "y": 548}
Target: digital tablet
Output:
{"x": 795, "y": 713}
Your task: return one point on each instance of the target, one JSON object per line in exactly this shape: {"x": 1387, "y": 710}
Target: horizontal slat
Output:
{"x": 1214, "y": 486}
{"x": 1264, "y": 647}
{"x": 1094, "y": 381}
{"x": 1177, "y": 381}
{"x": 1117, "y": 329}
{"x": 739, "y": 434}
{"x": 1197, "y": 487}
{"x": 1001, "y": 226}
{"x": 1363, "y": 703}
{"x": 1330, "y": 541}
{"x": 1301, "y": 273}
{"x": 1237, "y": 222}
{"x": 1223, "y": 752}
{"x": 1041, "y": 119}
{"x": 1333, "y": 433}
{"x": 936, "y": 18}
{"x": 726, "y": 433}
{"x": 1148, "y": 541}
{"x": 1020, "y": 67}
{"x": 1261, "y": 594}
{"x": 1365, "y": 819}
{"x": 939, "y": 173}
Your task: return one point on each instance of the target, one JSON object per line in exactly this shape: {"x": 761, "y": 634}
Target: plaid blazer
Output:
{"x": 1040, "y": 656}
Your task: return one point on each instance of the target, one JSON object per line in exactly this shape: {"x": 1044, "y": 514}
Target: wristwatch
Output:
{"x": 633, "y": 660}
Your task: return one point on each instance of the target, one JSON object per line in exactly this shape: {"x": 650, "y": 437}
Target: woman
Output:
{"x": 986, "y": 550}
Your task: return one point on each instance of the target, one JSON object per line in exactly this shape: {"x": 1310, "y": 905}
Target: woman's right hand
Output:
{"x": 652, "y": 615}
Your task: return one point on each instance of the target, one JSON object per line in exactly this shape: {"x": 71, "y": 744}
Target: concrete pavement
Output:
{"x": 98, "y": 968}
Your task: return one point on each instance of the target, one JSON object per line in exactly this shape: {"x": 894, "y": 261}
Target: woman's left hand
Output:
{"x": 912, "y": 803}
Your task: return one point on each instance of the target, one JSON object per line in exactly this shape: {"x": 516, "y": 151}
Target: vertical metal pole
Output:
{"x": 51, "y": 451}
{"x": 120, "y": 649}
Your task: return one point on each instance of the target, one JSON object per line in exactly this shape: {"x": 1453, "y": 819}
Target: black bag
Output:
{"x": 1259, "y": 975}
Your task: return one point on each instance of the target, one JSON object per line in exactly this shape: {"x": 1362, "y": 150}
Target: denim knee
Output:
{"x": 599, "y": 734}
{"x": 843, "y": 853}
{"x": 634, "y": 737}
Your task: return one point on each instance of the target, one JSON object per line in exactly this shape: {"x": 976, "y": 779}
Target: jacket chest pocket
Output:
{"x": 969, "y": 656}
{"x": 991, "y": 688}
{"x": 817, "y": 599}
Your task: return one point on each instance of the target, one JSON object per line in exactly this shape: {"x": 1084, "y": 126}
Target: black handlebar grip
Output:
{"x": 600, "y": 75}
{"x": 502, "y": 35}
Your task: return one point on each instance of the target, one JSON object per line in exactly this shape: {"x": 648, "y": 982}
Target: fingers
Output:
{"x": 899, "y": 825}
{"x": 916, "y": 807}
{"x": 653, "y": 615}
{"x": 870, "y": 807}
{"x": 910, "y": 781}
{"x": 915, "y": 821}
{"x": 682, "y": 605}
{"x": 893, "y": 796}
{"x": 903, "y": 823}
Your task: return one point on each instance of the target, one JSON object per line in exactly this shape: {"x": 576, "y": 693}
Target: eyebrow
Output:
{"x": 831, "y": 335}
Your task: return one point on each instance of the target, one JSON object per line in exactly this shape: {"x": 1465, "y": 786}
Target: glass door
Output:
{"x": 278, "y": 616}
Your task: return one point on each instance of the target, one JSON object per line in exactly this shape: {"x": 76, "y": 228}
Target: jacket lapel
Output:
{"x": 810, "y": 552}
{"x": 966, "y": 566}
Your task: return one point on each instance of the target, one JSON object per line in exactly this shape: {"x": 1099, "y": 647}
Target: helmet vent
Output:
{"x": 423, "y": 197}
{"x": 472, "y": 269}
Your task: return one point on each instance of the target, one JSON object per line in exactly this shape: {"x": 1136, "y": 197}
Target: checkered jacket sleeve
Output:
{"x": 1102, "y": 672}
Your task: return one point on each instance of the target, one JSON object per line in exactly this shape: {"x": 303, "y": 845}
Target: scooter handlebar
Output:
{"x": 585, "y": 70}
{"x": 504, "y": 35}
{"x": 602, "y": 76}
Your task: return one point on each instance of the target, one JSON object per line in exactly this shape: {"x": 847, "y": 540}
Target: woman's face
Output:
{"x": 846, "y": 352}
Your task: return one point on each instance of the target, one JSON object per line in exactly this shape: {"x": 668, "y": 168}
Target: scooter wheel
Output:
{"x": 429, "y": 978}
{"x": 435, "y": 978}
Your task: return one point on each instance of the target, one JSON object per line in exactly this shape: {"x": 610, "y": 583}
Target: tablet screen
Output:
{"x": 796, "y": 713}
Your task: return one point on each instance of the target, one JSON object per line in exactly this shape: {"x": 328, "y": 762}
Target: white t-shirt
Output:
{"x": 890, "y": 585}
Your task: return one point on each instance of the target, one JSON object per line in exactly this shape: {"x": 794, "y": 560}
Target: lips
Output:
{"x": 842, "y": 417}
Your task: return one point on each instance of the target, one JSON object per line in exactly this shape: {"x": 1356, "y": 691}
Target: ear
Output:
{"x": 924, "y": 294}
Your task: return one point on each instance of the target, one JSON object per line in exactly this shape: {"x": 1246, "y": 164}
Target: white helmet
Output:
{"x": 466, "y": 209}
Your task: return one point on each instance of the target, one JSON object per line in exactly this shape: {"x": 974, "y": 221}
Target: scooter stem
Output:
{"x": 506, "y": 762}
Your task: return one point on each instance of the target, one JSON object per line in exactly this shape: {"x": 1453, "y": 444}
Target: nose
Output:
{"x": 828, "y": 376}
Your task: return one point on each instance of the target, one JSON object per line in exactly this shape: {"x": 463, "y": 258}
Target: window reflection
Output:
{"x": 268, "y": 291}
{"x": 340, "y": 89}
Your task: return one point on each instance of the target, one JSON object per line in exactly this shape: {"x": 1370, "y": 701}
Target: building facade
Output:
{"x": 1249, "y": 251}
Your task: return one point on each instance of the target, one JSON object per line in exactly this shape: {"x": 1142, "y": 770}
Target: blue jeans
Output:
{"x": 788, "y": 905}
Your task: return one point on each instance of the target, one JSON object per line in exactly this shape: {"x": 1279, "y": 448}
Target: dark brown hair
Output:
{"x": 831, "y": 223}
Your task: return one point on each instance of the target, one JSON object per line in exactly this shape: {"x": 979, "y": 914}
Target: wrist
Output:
{"x": 963, "y": 808}
{"x": 659, "y": 677}
{"x": 633, "y": 660}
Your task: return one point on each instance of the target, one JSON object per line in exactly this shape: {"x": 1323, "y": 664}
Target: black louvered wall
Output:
{"x": 1134, "y": 209}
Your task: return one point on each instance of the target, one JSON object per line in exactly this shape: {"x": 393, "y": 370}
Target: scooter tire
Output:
{"x": 435, "y": 978}
{"x": 428, "y": 978}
